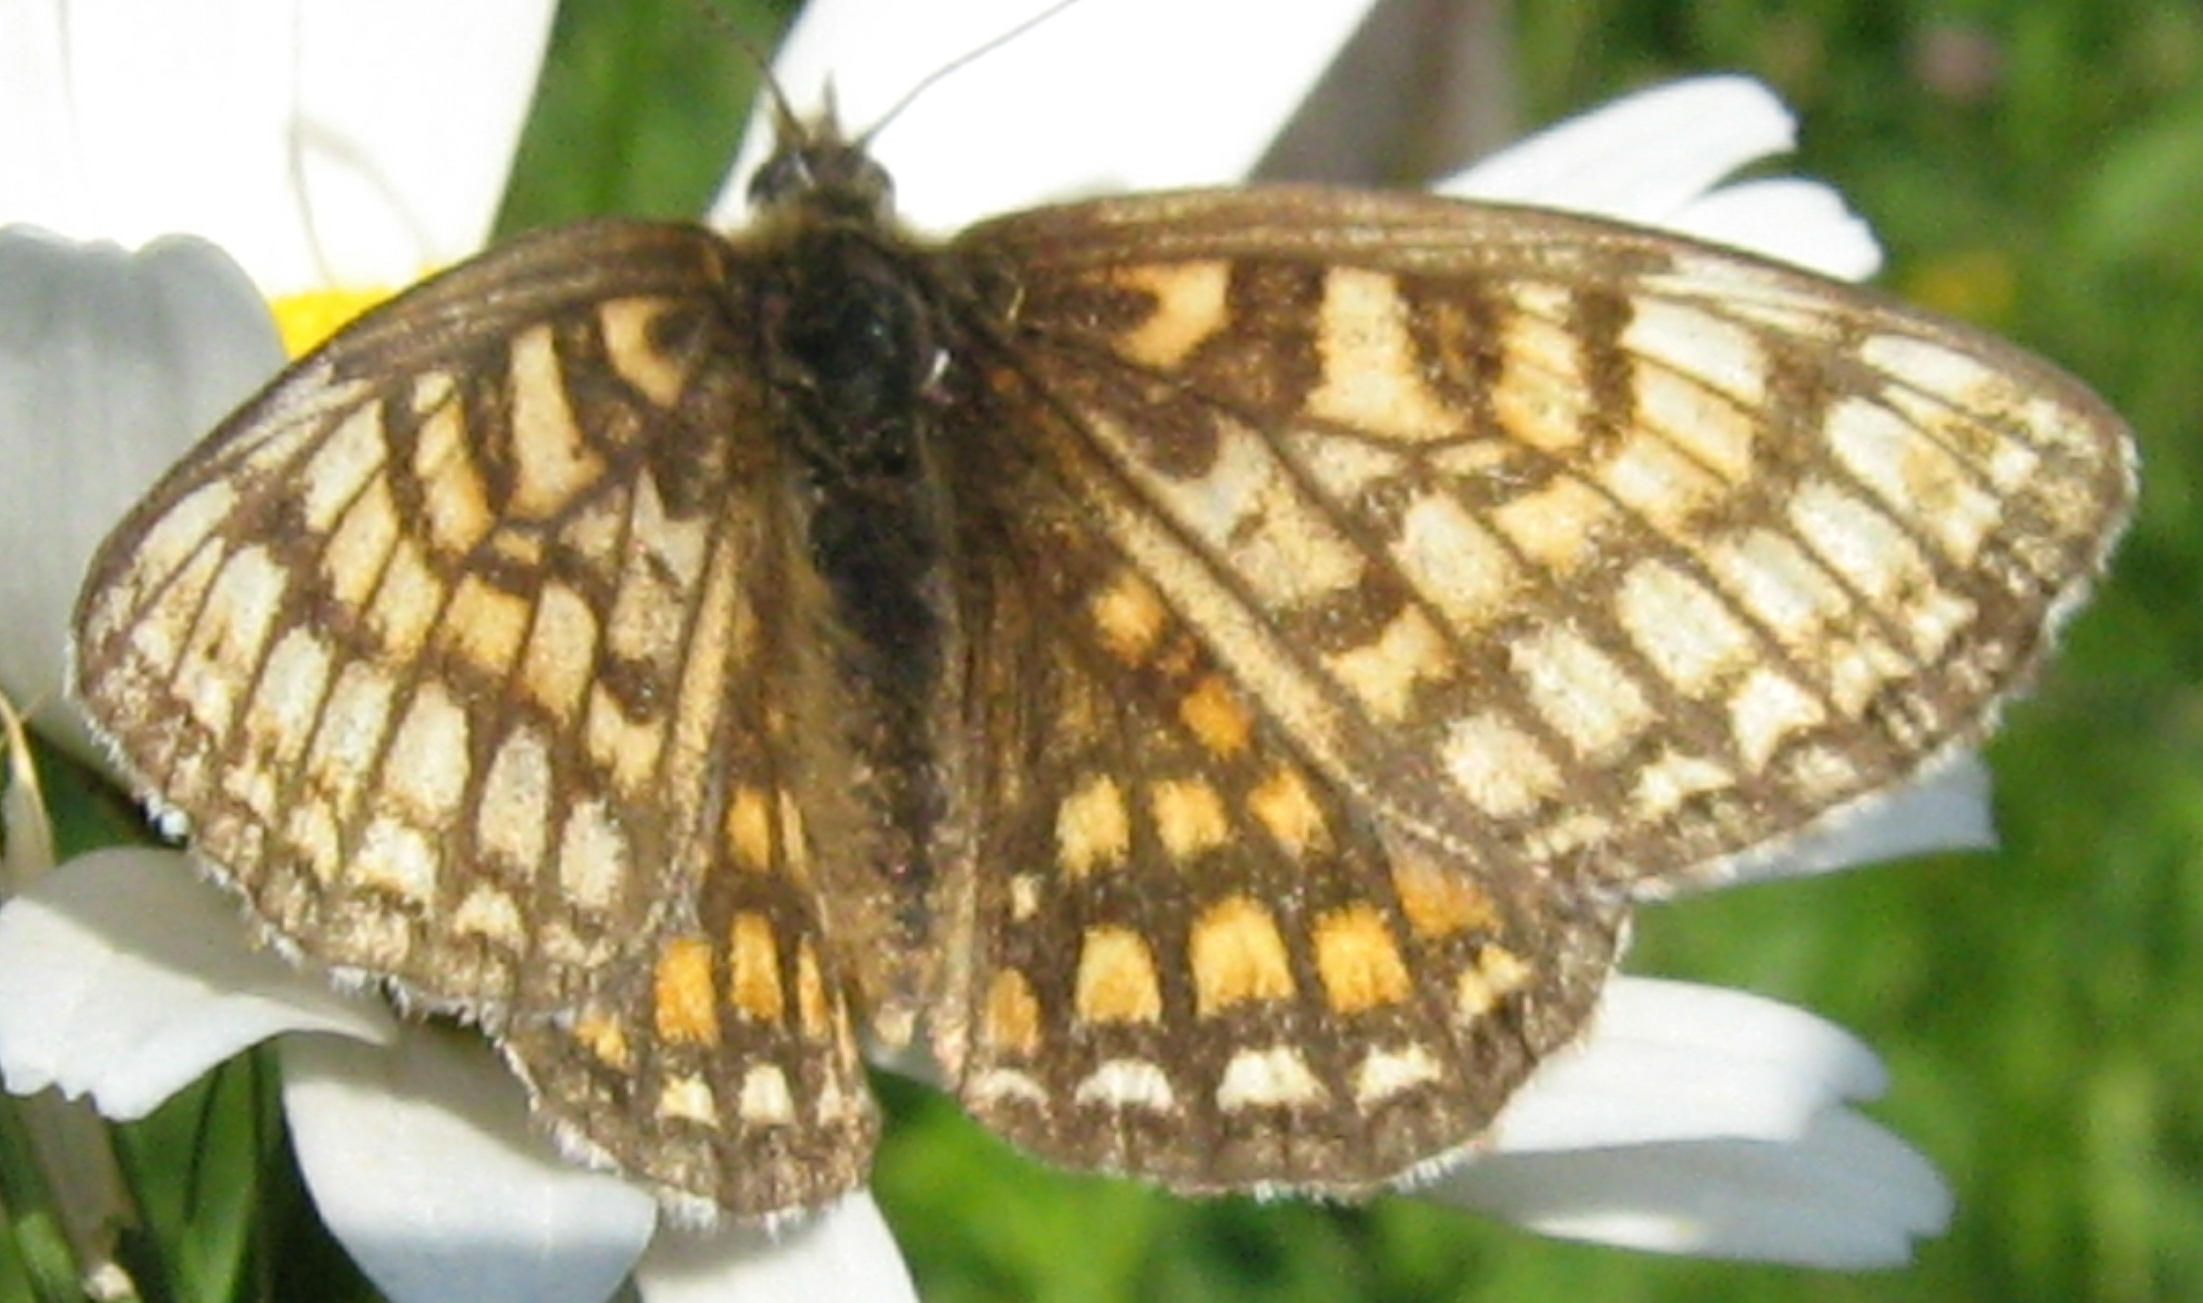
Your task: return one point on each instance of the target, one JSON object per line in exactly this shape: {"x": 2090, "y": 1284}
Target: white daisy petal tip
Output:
{"x": 842, "y": 1252}
{"x": 1659, "y": 157}
{"x": 1695, "y": 1120}
{"x": 957, "y": 156}
{"x": 1803, "y": 223}
{"x": 1846, "y": 1195}
{"x": 124, "y": 978}
{"x": 422, "y": 1162}
{"x": 1678, "y": 1061}
{"x": 1641, "y": 156}
{"x": 112, "y": 363}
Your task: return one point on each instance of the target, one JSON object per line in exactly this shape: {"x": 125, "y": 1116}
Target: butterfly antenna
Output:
{"x": 968, "y": 57}
{"x": 786, "y": 125}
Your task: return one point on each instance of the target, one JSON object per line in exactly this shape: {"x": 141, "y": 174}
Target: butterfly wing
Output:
{"x": 1383, "y": 589}
{"x": 449, "y": 648}
{"x": 1194, "y": 958}
{"x": 1554, "y": 542}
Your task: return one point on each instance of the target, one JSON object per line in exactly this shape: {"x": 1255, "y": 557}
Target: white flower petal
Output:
{"x": 1705, "y": 1121}
{"x": 1846, "y": 1195}
{"x": 1674, "y": 1061}
{"x": 1641, "y": 157}
{"x": 125, "y": 121}
{"x": 843, "y": 1253}
{"x": 1945, "y": 808}
{"x": 111, "y": 364}
{"x": 1098, "y": 98}
{"x": 1654, "y": 159}
{"x": 422, "y": 1163}
{"x": 124, "y": 976}
{"x": 410, "y": 113}
{"x": 1803, "y": 223}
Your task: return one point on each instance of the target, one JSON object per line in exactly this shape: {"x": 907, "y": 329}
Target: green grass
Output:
{"x": 2041, "y": 1007}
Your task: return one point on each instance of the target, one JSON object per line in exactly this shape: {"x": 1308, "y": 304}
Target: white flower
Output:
{"x": 413, "y": 1141}
{"x": 318, "y": 144}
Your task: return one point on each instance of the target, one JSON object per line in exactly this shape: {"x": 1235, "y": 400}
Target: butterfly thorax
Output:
{"x": 856, "y": 349}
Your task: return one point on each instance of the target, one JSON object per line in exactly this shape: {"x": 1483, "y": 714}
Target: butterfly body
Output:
{"x": 1212, "y": 668}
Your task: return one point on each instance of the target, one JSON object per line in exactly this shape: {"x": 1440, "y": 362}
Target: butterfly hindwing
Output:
{"x": 1194, "y": 960}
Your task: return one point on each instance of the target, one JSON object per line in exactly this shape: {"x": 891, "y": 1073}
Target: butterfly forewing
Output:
{"x": 1213, "y": 666}
{"x": 455, "y": 646}
{"x": 1553, "y": 541}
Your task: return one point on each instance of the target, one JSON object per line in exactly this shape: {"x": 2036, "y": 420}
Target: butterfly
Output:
{"x": 1212, "y": 669}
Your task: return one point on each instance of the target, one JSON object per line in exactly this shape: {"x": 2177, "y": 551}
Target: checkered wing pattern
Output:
{"x": 1215, "y": 667}
{"x": 1194, "y": 957}
{"x": 1567, "y": 548}
{"x": 453, "y": 647}
{"x": 1389, "y": 588}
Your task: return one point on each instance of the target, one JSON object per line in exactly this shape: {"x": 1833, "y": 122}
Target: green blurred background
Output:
{"x": 2035, "y": 166}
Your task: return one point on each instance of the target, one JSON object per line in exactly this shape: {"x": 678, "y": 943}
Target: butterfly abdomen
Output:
{"x": 855, "y": 344}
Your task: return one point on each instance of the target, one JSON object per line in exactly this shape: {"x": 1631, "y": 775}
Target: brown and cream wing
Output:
{"x": 1547, "y": 538}
{"x": 430, "y": 642}
{"x": 1192, "y": 956}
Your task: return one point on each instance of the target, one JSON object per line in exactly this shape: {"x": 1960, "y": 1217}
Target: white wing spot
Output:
{"x": 1277, "y": 1077}
{"x": 1128, "y": 1083}
{"x": 1500, "y": 768}
{"x": 1581, "y": 691}
{"x": 592, "y": 856}
{"x": 766, "y": 1099}
{"x": 396, "y": 857}
{"x": 1385, "y": 1073}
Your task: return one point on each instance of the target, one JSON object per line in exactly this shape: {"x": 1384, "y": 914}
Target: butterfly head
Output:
{"x": 815, "y": 169}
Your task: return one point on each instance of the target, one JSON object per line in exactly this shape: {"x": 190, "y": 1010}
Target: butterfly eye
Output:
{"x": 833, "y": 179}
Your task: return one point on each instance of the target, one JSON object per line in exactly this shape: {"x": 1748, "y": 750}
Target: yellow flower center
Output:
{"x": 307, "y": 318}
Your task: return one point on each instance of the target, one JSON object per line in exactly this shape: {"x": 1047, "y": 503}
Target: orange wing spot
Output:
{"x": 1439, "y": 902}
{"x": 794, "y": 841}
{"x": 1093, "y": 830}
{"x": 1189, "y": 817}
{"x": 813, "y": 1010}
{"x": 750, "y": 829}
{"x": 1237, "y": 956}
{"x": 685, "y": 1011}
{"x": 605, "y": 1039}
{"x": 1358, "y": 959}
{"x": 1497, "y": 973}
{"x": 1283, "y": 804}
{"x": 1385, "y": 672}
{"x": 1214, "y": 714}
{"x": 1129, "y": 616}
{"x": 1373, "y": 378}
{"x": 486, "y": 625}
{"x": 753, "y": 985}
{"x": 1117, "y": 981}
{"x": 1013, "y": 1014}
